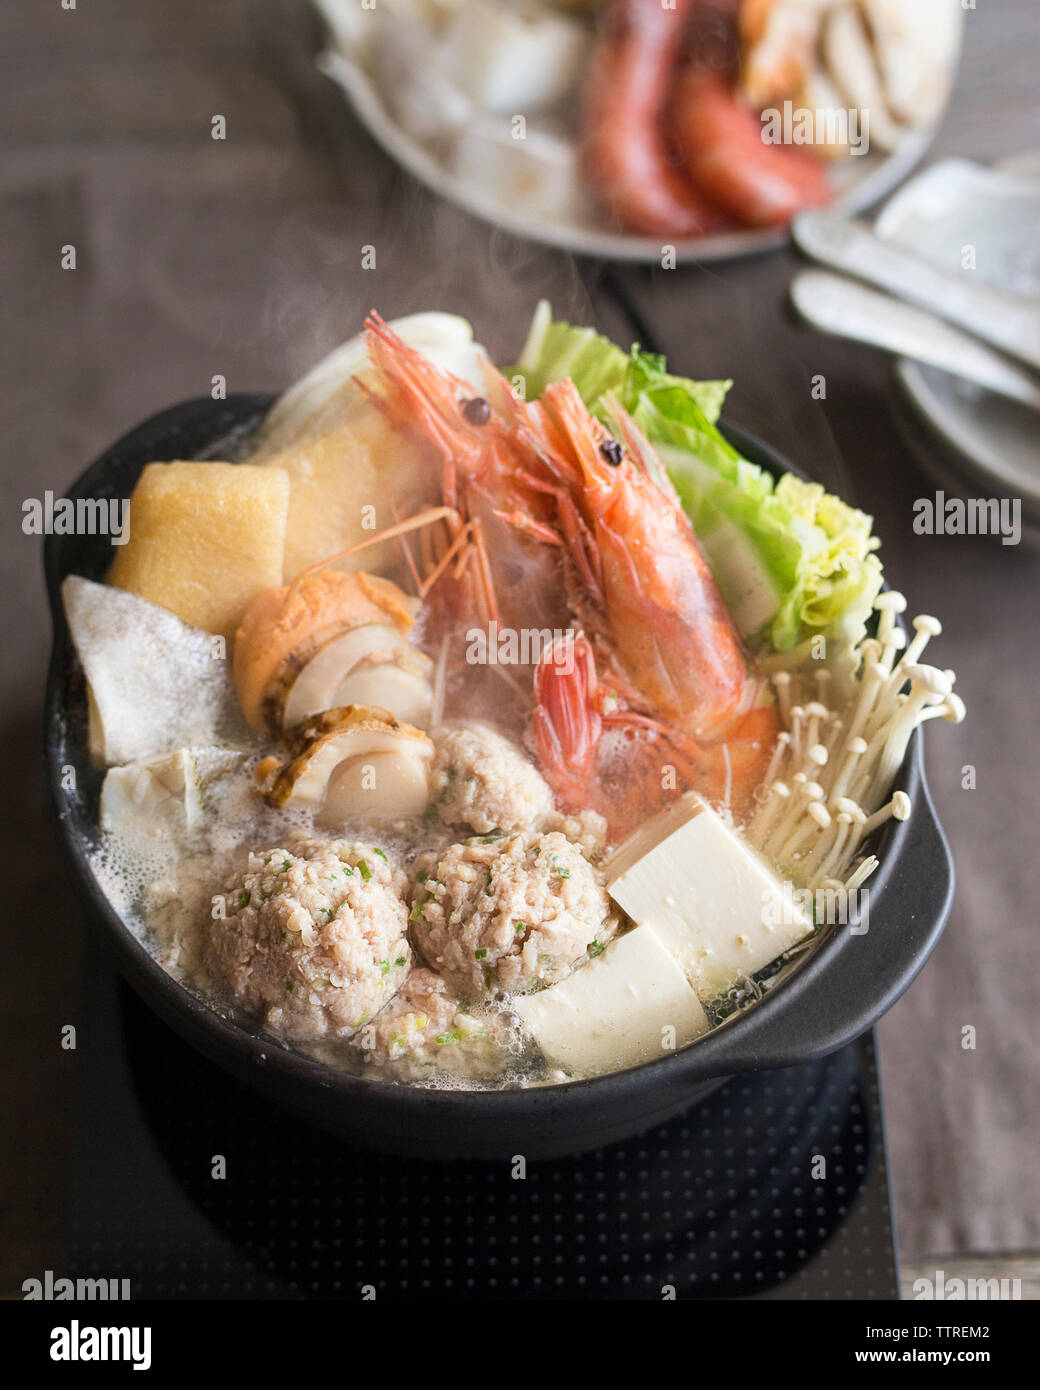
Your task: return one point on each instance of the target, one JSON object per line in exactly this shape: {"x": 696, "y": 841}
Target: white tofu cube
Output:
{"x": 714, "y": 903}
{"x": 162, "y": 796}
{"x": 628, "y": 1005}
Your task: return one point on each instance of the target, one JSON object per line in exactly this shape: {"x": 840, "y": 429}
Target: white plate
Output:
{"x": 952, "y": 206}
{"x": 859, "y": 181}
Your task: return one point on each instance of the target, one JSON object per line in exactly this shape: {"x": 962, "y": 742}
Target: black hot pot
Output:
{"x": 838, "y": 991}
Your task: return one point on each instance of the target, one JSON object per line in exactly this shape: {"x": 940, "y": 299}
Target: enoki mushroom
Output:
{"x": 824, "y": 793}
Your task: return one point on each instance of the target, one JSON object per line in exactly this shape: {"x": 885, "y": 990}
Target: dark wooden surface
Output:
{"x": 242, "y": 257}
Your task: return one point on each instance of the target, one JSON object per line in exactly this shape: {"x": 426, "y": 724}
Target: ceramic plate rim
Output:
{"x": 982, "y": 463}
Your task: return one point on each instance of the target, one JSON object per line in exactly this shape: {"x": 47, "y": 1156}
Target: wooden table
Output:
{"x": 243, "y": 257}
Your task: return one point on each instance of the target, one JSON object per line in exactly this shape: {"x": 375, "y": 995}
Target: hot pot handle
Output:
{"x": 851, "y": 982}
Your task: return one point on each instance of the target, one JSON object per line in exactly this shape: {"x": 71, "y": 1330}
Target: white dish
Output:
{"x": 859, "y": 182}
{"x": 948, "y": 213}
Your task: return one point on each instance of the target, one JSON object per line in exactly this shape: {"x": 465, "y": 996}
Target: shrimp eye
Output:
{"x": 477, "y": 411}
{"x": 612, "y": 452}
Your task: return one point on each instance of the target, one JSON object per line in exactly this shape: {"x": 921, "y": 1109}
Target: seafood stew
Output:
{"x": 415, "y": 834}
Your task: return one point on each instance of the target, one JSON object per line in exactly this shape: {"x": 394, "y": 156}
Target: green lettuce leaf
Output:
{"x": 555, "y": 350}
{"x": 647, "y": 379}
{"x": 791, "y": 560}
{"x": 843, "y": 575}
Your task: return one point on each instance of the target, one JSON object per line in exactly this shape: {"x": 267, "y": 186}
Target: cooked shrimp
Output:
{"x": 625, "y": 150}
{"x": 598, "y": 755}
{"x": 610, "y": 552}
{"x": 484, "y": 470}
{"x": 677, "y": 684}
{"x": 654, "y": 602}
{"x": 620, "y": 779}
{"x": 721, "y": 140}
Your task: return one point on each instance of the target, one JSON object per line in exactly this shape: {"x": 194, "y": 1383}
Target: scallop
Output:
{"x": 356, "y": 763}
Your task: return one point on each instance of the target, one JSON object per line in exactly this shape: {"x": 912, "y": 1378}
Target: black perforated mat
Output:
{"x": 728, "y": 1201}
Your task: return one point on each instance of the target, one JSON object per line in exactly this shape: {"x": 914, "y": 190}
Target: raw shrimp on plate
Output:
{"x": 669, "y": 143}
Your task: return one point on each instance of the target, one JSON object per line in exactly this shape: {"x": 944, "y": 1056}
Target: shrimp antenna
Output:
{"x": 401, "y": 528}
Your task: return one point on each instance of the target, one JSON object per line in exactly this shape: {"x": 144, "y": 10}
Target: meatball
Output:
{"x": 511, "y": 913}
{"x": 586, "y": 829}
{"x": 481, "y": 779}
{"x": 314, "y": 940}
{"x": 425, "y": 1029}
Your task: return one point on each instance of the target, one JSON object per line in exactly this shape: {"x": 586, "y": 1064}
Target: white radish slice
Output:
{"x": 405, "y": 693}
{"x": 96, "y": 732}
{"x": 384, "y": 786}
{"x": 445, "y": 339}
{"x": 315, "y": 686}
